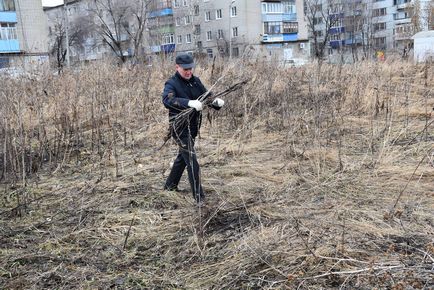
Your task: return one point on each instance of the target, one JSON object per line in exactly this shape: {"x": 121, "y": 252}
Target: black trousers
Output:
{"x": 186, "y": 158}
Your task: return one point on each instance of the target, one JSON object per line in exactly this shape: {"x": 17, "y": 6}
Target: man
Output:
{"x": 181, "y": 92}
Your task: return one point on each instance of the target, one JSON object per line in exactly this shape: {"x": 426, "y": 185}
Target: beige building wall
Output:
{"x": 303, "y": 31}
{"x": 247, "y": 22}
{"x": 32, "y": 27}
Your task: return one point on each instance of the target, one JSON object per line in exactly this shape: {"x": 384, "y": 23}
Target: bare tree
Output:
{"x": 354, "y": 26}
{"x": 137, "y": 19}
{"x": 415, "y": 10}
{"x": 78, "y": 29}
{"x": 430, "y": 15}
{"x": 120, "y": 24}
{"x": 321, "y": 16}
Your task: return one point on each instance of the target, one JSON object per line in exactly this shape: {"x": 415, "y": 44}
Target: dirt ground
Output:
{"x": 347, "y": 204}
{"x": 269, "y": 222}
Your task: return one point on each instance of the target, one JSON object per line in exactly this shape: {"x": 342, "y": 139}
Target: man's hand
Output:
{"x": 197, "y": 105}
{"x": 218, "y": 102}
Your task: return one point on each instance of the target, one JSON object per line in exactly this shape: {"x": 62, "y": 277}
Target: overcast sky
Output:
{"x": 51, "y": 2}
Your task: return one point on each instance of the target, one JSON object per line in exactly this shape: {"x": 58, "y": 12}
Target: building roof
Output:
{"x": 424, "y": 34}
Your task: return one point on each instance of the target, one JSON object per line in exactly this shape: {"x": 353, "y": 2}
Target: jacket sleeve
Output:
{"x": 171, "y": 100}
{"x": 210, "y": 98}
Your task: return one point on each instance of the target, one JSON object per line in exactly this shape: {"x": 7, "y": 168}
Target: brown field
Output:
{"x": 316, "y": 177}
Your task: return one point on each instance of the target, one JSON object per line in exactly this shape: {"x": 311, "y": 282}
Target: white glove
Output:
{"x": 218, "y": 102}
{"x": 197, "y": 105}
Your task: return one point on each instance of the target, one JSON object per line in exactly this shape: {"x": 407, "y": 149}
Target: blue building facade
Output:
{"x": 9, "y": 43}
{"x": 279, "y": 21}
{"x": 161, "y": 23}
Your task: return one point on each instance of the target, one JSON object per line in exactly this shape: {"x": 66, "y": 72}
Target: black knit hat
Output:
{"x": 185, "y": 61}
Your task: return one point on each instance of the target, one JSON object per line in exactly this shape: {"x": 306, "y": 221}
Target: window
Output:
{"x": 379, "y": 12}
{"x": 168, "y": 38}
{"x": 209, "y": 53}
{"x": 272, "y": 27}
{"x": 8, "y": 31}
{"x": 196, "y": 9}
{"x": 188, "y": 38}
{"x": 176, "y": 3}
{"x": 403, "y": 29}
{"x": 218, "y": 14}
{"x": 380, "y": 42}
{"x": 220, "y": 34}
{"x": 317, "y": 20}
{"x": 233, "y": 11}
{"x": 187, "y": 19}
{"x": 235, "y": 51}
{"x": 199, "y": 45}
{"x": 271, "y": 7}
{"x": 184, "y": 3}
{"x": 179, "y": 39}
{"x": 207, "y": 16}
{"x": 290, "y": 27}
{"x": 335, "y": 37}
{"x": 197, "y": 29}
{"x": 234, "y": 31}
{"x": 7, "y": 5}
{"x": 289, "y": 7}
{"x": 318, "y": 33}
{"x": 401, "y": 15}
{"x": 379, "y": 26}
{"x": 209, "y": 35}
{"x": 178, "y": 21}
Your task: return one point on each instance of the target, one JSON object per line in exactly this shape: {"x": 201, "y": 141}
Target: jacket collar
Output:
{"x": 184, "y": 80}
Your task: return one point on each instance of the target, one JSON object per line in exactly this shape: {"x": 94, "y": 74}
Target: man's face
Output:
{"x": 185, "y": 73}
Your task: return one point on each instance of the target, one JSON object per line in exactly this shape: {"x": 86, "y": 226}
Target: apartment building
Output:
{"x": 231, "y": 28}
{"x": 369, "y": 26}
{"x": 161, "y": 27}
{"x": 84, "y": 44}
{"x": 23, "y": 33}
{"x": 98, "y": 29}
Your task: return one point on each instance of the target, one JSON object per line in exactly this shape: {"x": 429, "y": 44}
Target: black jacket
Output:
{"x": 177, "y": 92}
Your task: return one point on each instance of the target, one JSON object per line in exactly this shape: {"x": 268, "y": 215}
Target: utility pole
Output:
{"x": 230, "y": 29}
{"x": 68, "y": 64}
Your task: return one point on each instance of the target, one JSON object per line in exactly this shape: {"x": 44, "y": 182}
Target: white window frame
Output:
{"x": 178, "y": 21}
{"x": 218, "y": 14}
{"x": 220, "y": 34}
{"x": 187, "y": 19}
{"x": 207, "y": 16}
{"x": 272, "y": 7}
{"x": 209, "y": 35}
{"x": 235, "y": 31}
{"x": 188, "y": 38}
{"x": 179, "y": 39}
{"x": 234, "y": 11}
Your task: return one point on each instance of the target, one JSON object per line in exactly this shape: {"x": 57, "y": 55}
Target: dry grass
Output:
{"x": 317, "y": 177}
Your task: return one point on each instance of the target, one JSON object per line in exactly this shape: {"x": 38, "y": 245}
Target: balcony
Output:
{"x": 276, "y": 38}
{"x": 9, "y": 46}
{"x": 336, "y": 43}
{"x": 402, "y": 4}
{"x": 7, "y": 16}
{"x": 337, "y": 30}
{"x": 289, "y": 17}
{"x": 161, "y": 13}
{"x": 279, "y": 17}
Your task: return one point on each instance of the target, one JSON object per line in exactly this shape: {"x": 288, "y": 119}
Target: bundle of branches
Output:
{"x": 184, "y": 116}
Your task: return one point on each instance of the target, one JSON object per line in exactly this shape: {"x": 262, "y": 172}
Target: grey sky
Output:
{"x": 51, "y": 2}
